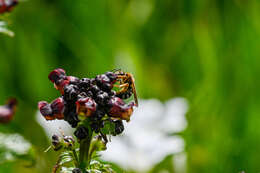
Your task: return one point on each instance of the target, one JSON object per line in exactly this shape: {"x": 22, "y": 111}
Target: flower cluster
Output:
{"x": 90, "y": 99}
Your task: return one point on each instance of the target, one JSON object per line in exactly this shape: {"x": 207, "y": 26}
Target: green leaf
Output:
{"x": 108, "y": 128}
{"x": 65, "y": 157}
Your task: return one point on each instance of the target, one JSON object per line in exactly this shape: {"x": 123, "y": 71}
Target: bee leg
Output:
{"x": 123, "y": 88}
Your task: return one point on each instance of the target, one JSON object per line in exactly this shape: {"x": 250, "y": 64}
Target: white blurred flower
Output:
{"x": 53, "y": 126}
{"x": 145, "y": 141}
{"x": 15, "y": 143}
{"x": 12, "y": 143}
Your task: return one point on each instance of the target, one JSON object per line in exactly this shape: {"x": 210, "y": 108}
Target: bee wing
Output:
{"x": 134, "y": 90}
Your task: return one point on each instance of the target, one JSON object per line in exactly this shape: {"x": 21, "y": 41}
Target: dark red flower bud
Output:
{"x": 120, "y": 109}
{"x": 7, "y": 111}
{"x": 86, "y": 106}
{"x": 7, "y": 6}
{"x": 46, "y": 111}
{"x": 57, "y": 107}
{"x": 56, "y": 75}
{"x": 61, "y": 84}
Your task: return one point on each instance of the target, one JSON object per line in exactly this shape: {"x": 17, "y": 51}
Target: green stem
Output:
{"x": 84, "y": 152}
{"x": 89, "y": 138}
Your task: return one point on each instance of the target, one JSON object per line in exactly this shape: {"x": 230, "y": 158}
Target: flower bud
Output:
{"x": 102, "y": 98}
{"x": 120, "y": 109}
{"x": 86, "y": 106}
{"x": 81, "y": 132}
{"x": 84, "y": 83}
{"x": 71, "y": 92}
{"x": 119, "y": 127}
{"x": 46, "y": 111}
{"x": 60, "y": 84}
{"x": 56, "y": 75}
{"x": 57, "y": 107}
{"x": 112, "y": 76}
{"x": 56, "y": 142}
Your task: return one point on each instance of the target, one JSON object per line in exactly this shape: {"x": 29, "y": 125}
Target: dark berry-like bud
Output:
{"x": 100, "y": 79}
{"x": 71, "y": 116}
{"x": 70, "y": 92}
{"x": 90, "y": 94}
{"x": 57, "y": 107}
{"x": 84, "y": 83}
{"x": 76, "y": 170}
{"x": 96, "y": 126}
{"x": 119, "y": 127}
{"x": 56, "y": 75}
{"x": 120, "y": 109}
{"x": 103, "y": 82}
{"x": 112, "y": 76}
{"x": 81, "y": 132}
{"x": 102, "y": 98}
{"x": 94, "y": 88}
{"x": 99, "y": 114}
{"x": 112, "y": 93}
{"x": 86, "y": 106}
{"x": 46, "y": 111}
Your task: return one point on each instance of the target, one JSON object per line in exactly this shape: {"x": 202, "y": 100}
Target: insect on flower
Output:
{"x": 7, "y": 5}
{"x": 126, "y": 85}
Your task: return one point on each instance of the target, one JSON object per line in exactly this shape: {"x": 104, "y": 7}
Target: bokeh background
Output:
{"x": 205, "y": 51}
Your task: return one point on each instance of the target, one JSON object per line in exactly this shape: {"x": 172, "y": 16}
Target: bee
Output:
{"x": 126, "y": 85}
{"x": 7, "y": 5}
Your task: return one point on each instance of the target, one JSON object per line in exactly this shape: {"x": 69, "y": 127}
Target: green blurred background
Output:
{"x": 206, "y": 51}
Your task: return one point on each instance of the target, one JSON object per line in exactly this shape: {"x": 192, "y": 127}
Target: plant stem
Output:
{"x": 84, "y": 152}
